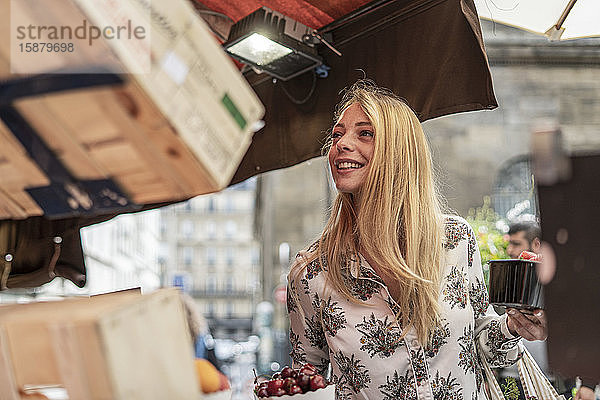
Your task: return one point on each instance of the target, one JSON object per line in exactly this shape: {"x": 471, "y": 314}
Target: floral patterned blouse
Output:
{"x": 362, "y": 341}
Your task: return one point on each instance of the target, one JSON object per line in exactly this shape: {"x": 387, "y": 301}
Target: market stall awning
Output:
{"x": 428, "y": 51}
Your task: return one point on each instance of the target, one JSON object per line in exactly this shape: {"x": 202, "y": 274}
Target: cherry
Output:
{"x": 294, "y": 389}
{"x": 276, "y": 375}
{"x": 279, "y": 392}
{"x": 308, "y": 372}
{"x": 317, "y": 382}
{"x": 288, "y": 382}
{"x": 308, "y": 369}
{"x": 303, "y": 381}
{"x": 262, "y": 392}
{"x": 274, "y": 385}
{"x": 286, "y": 372}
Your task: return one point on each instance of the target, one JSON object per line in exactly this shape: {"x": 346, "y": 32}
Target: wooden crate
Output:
{"x": 123, "y": 346}
{"x": 166, "y": 135}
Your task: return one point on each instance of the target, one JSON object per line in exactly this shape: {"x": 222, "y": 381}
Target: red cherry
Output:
{"x": 288, "y": 382}
{"x": 294, "y": 389}
{"x": 307, "y": 371}
{"x": 286, "y": 372}
{"x": 262, "y": 392}
{"x": 276, "y": 375}
{"x": 274, "y": 385}
{"x": 279, "y": 392}
{"x": 317, "y": 382}
{"x": 294, "y": 374}
{"x": 303, "y": 381}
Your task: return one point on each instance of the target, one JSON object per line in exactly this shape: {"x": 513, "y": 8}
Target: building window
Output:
{"x": 187, "y": 228}
{"x": 188, "y": 255}
{"x": 211, "y": 284}
{"x": 229, "y": 284}
{"x": 230, "y": 229}
{"x": 255, "y": 255}
{"x": 229, "y": 205}
{"x": 229, "y": 309}
{"x": 211, "y": 256}
{"x": 210, "y": 308}
{"x": 163, "y": 227}
{"x": 211, "y": 229}
{"x": 211, "y": 204}
{"x": 229, "y": 256}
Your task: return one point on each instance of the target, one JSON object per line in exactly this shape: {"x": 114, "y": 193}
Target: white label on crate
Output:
{"x": 175, "y": 68}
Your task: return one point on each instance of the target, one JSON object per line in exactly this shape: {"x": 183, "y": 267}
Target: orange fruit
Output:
{"x": 224, "y": 384}
{"x": 208, "y": 376}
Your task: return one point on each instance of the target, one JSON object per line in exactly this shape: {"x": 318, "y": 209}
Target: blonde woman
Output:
{"x": 392, "y": 294}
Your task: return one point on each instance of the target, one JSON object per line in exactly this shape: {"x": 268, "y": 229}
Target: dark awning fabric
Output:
{"x": 427, "y": 51}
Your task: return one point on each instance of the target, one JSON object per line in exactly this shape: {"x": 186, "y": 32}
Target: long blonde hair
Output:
{"x": 396, "y": 217}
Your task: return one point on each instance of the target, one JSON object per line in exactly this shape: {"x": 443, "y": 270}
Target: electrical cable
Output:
{"x": 215, "y": 14}
{"x": 308, "y": 96}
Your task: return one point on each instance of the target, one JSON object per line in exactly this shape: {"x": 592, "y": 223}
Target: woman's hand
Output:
{"x": 528, "y": 326}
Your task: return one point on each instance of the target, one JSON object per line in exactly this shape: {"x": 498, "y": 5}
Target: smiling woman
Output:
{"x": 392, "y": 294}
{"x": 351, "y": 149}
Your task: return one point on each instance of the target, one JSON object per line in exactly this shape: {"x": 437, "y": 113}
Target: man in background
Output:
{"x": 523, "y": 236}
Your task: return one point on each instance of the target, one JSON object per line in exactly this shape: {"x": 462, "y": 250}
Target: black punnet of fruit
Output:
{"x": 514, "y": 283}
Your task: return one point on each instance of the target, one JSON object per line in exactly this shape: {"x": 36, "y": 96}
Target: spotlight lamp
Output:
{"x": 273, "y": 43}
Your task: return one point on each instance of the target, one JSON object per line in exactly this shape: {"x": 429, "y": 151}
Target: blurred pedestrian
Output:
{"x": 392, "y": 294}
{"x": 523, "y": 236}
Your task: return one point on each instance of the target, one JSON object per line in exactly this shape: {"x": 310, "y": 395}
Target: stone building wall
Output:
{"x": 537, "y": 83}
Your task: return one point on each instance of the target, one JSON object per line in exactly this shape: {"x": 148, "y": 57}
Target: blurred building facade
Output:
{"x": 538, "y": 84}
{"x": 122, "y": 253}
{"x": 209, "y": 249}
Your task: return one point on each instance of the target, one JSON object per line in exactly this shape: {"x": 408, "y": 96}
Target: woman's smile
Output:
{"x": 353, "y": 143}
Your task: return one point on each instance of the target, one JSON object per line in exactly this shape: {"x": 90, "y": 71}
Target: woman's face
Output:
{"x": 352, "y": 149}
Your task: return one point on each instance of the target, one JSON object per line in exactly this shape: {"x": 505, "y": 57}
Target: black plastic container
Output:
{"x": 514, "y": 283}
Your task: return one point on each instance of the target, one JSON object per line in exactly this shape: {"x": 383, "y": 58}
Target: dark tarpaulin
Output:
{"x": 428, "y": 51}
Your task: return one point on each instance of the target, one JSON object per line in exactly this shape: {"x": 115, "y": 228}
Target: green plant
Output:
{"x": 491, "y": 241}
{"x": 510, "y": 389}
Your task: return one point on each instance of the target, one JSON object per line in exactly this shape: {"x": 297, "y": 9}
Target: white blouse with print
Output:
{"x": 362, "y": 341}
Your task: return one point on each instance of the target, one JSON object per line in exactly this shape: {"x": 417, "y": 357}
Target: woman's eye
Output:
{"x": 336, "y": 135}
{"x": 366, "y": 133}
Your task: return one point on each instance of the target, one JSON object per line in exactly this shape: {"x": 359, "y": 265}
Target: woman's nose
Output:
{"x": 345, "y": 143}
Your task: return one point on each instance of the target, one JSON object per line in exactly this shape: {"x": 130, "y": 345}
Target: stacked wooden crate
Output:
{"x": 115, "y": 346}
{"x": 176, "y": 131}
